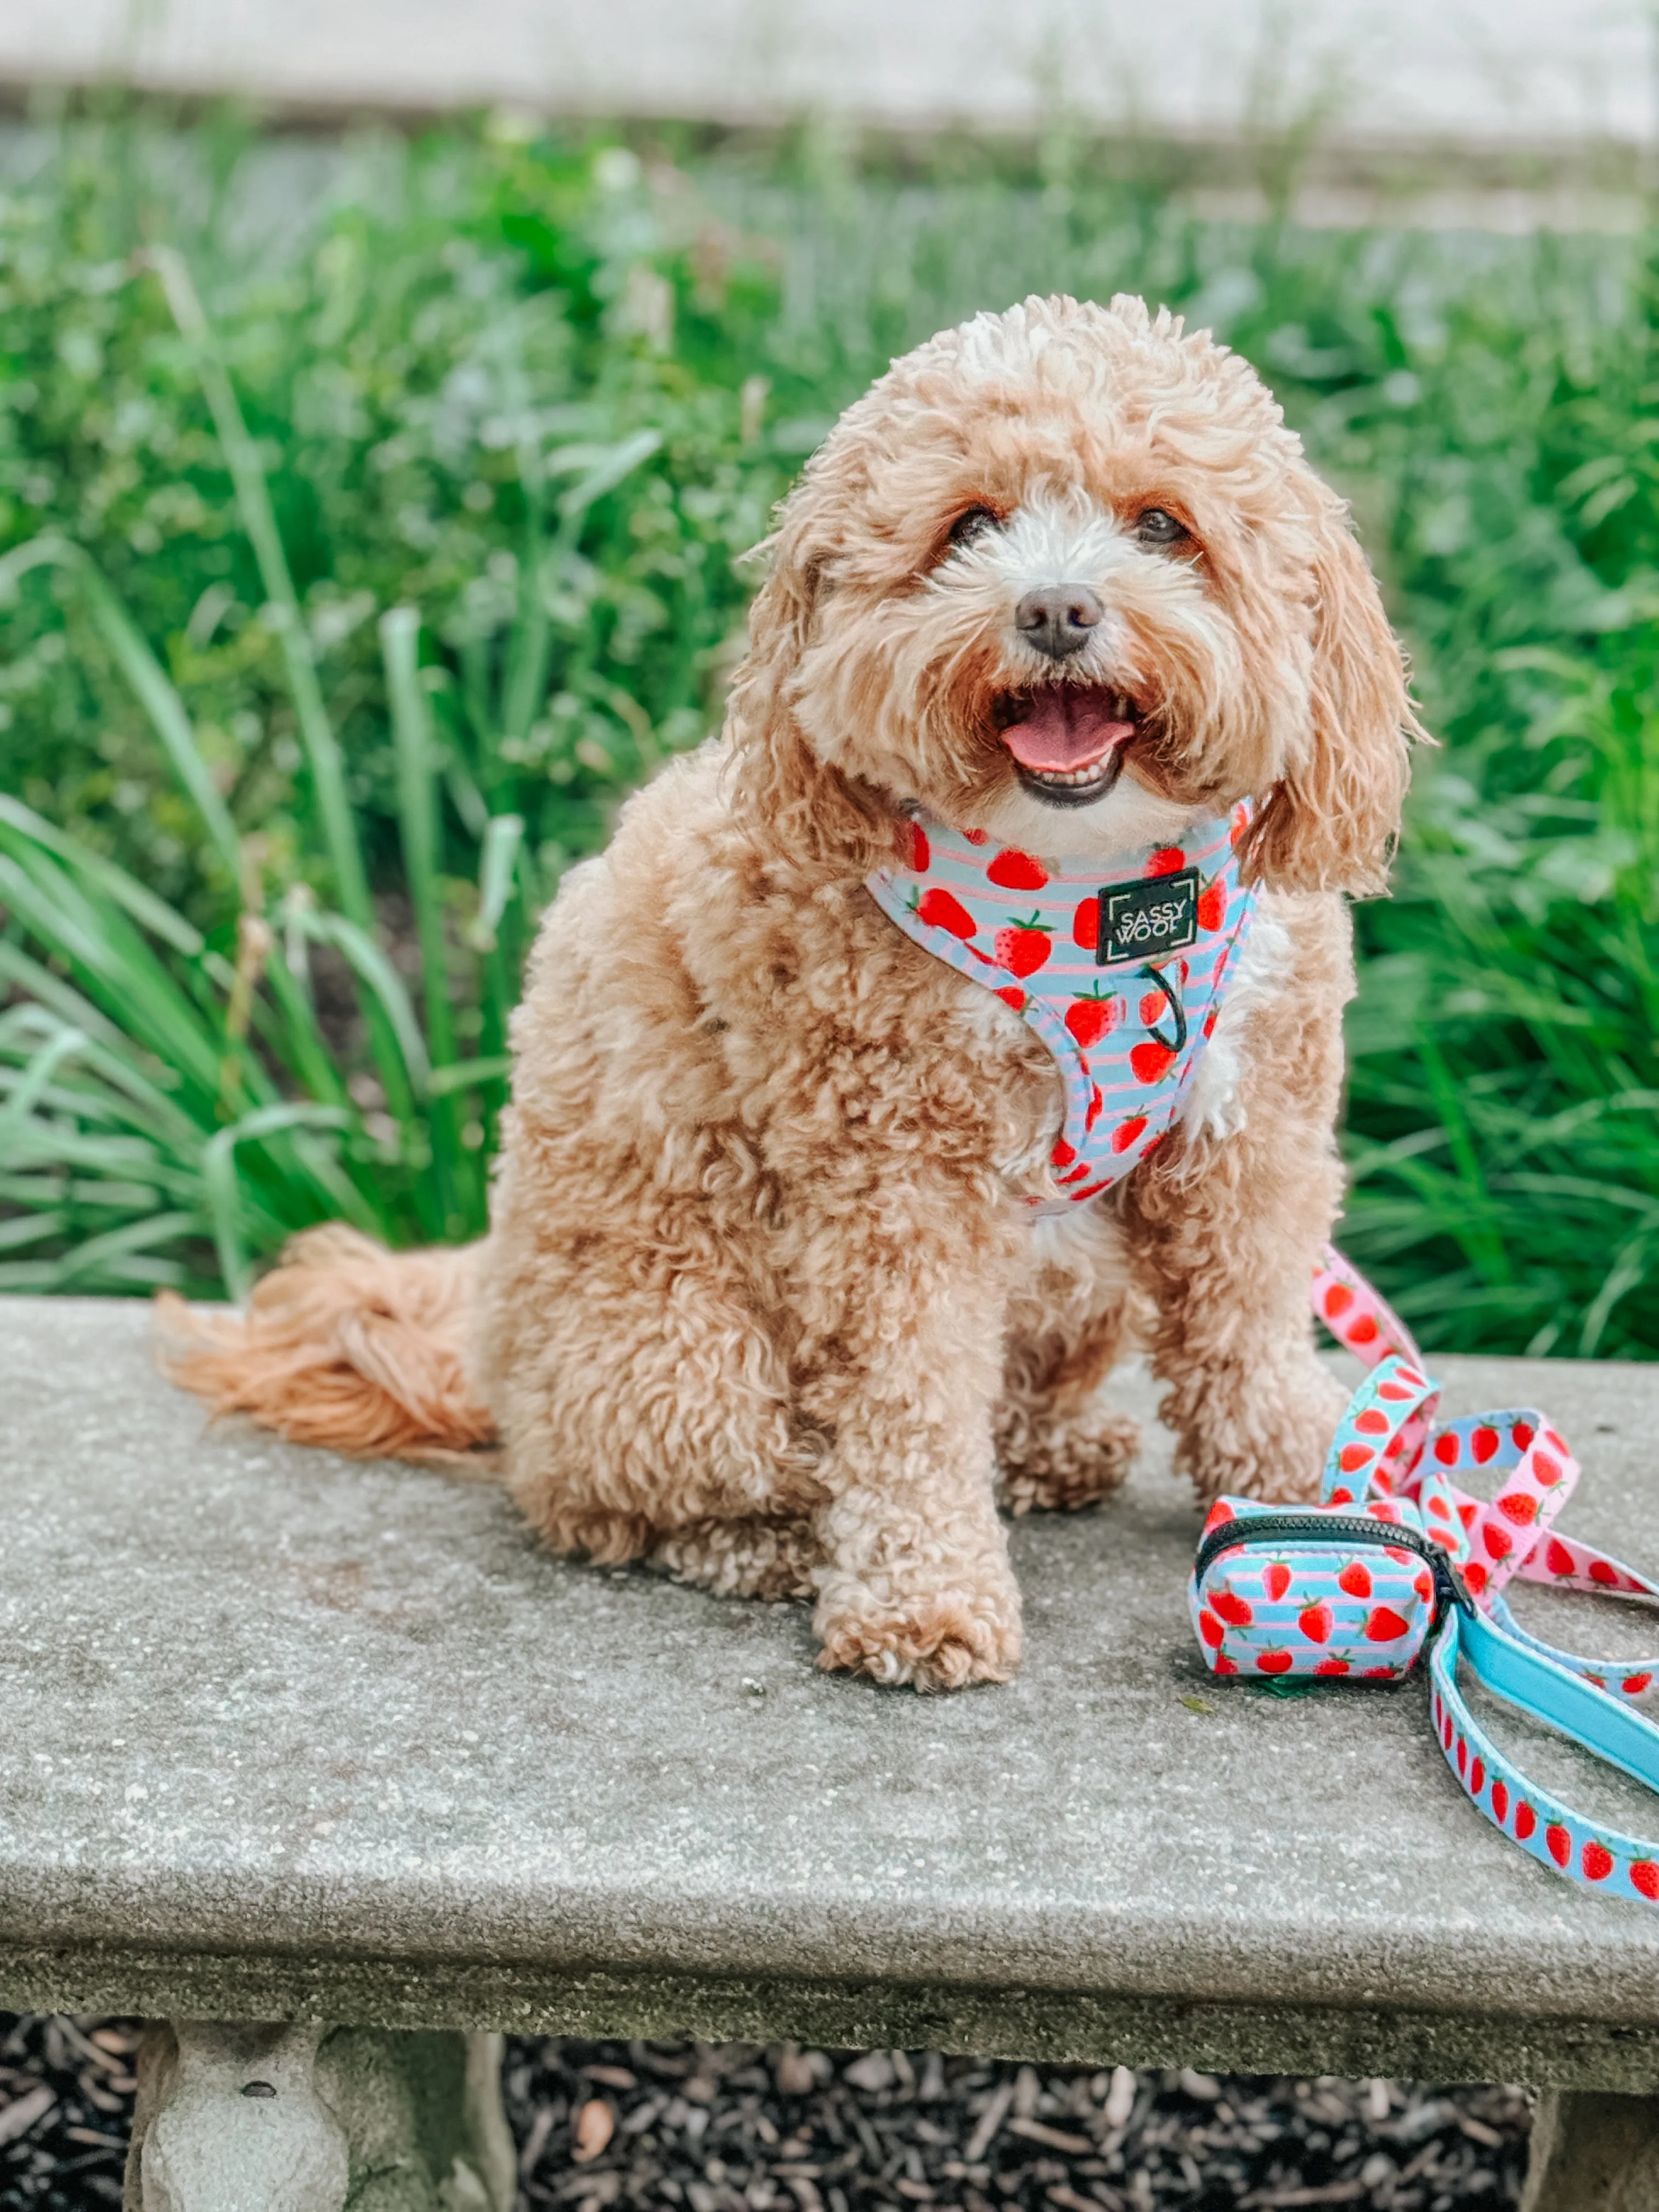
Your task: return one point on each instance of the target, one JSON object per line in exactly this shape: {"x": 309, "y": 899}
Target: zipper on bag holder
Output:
{"x": 1581, "y": 1699}
{"x": 1333, "y": 1531}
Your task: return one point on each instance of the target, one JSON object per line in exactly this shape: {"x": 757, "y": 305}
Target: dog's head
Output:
{"x": 1064, "y": 575}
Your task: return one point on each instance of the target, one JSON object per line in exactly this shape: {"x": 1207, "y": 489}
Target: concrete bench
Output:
{"x": 292, "y": 1741}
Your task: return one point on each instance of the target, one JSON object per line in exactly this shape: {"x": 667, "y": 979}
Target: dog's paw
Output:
{"x": 755, "y": 1557}
{"x": 1066, "y": 1467}
{"x": 1276, "y": 1449}
{"x": 933, "y": 1639}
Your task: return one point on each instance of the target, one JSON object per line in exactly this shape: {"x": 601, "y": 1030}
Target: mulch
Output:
{"x": 733, "y": 2128}
{"x": 66, "y": 2091}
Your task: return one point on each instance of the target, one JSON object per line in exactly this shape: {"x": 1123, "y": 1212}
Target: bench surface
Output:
{"x": 284, "y": 1735}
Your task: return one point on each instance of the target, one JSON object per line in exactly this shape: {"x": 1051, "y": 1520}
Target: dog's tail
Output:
{"x": 346, "y": 1346}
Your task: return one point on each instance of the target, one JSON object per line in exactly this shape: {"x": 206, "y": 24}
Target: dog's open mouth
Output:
{"x": 1067, "y": 740}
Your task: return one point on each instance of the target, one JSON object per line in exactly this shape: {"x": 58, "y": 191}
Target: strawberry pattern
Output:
{"x": 1301, "y": 1605}
{"x": 1489, "y": 1540}
{"x": 1127, "y": 1037}
{"x": 1290, "y": 1599}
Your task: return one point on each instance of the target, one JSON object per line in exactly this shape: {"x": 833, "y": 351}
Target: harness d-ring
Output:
{"x": 1178, "y": 1042}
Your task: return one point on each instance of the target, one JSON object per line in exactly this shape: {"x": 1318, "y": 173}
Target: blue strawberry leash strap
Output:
{"x": 1543, "y": 1823}
{"x": 1399, "y": 1559}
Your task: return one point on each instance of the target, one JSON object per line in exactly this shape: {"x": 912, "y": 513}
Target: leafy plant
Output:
{"x": 149, "y": 1123}
{"x": 1516, "y": 982}
{"x": 145, "y": 1059}
{"x": 344, "y": 601}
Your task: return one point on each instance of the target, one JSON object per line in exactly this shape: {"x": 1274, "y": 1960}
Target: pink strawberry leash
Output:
{"x": 1400, "y": 1557}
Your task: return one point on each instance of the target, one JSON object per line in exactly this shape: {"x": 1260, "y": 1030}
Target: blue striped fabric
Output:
{"x": 1127, "y": 1033}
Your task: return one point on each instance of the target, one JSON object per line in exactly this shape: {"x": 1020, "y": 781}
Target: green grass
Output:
{"x": 356, "y": 557}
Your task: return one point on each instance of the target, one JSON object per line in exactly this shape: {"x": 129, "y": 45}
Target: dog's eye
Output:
{"x": 972, "y": 525}
{"x": 1153, "y": 526}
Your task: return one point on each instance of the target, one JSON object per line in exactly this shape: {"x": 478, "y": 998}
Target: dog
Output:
{"x": 784, "y": 1285}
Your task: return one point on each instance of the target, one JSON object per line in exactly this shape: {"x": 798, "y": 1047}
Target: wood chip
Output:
{"x": 1478, "y": 2131}
{"x": 1068, "y": 2199}
{"x": 872, "y": 2072}
{"x": 1121, "y": 2097}
{"x": 794, "y": 2074}
{"x": 536, "y": 2142}
{"x": 1333, "y": 2192}
{"x": 19, "y": 2116}
{"x": 595, "y": 2124}
{"x": 991, "y": 2119}
{"x": 1079, "y": 2146}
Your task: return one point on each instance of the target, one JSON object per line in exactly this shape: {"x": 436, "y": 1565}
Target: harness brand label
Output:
{"x": 1157, "y": 914}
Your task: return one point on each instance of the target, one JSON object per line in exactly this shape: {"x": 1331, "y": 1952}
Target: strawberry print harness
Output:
{"x": 1399, "y": 1559}
{"x": 1120, "y": 968}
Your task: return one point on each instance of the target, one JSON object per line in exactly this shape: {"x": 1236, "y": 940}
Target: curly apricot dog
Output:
{"x": 790, "y": 1255}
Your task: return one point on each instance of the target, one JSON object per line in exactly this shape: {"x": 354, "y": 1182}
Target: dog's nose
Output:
{"x": 1058, "y": 619}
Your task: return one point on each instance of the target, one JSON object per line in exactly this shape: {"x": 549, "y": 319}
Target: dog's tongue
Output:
{"x": 1066, "y": 729}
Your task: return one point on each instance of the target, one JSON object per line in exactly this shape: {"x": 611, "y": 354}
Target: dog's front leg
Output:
{"x": 900, "y": 1367}
{"x": 1224, "y": 1232}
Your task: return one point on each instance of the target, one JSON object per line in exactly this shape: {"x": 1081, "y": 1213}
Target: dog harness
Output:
{"x": 1121, "y": 970}
{"x": 1399, "y": 1559}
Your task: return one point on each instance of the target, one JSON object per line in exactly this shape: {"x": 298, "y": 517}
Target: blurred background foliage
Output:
{"x": 371, "y": 521}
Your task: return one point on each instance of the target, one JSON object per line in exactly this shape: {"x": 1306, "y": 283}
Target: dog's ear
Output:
{"x": 1331, "y": 821}
{"x": 807, "y": 810}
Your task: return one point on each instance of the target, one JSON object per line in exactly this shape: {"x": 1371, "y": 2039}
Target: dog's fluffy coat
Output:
{"x": 761, "y": 1301}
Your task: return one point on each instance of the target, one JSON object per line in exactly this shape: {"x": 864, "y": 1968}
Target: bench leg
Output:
{"x": 1593, "y": 2153}
{"x": 254, "y": 2117}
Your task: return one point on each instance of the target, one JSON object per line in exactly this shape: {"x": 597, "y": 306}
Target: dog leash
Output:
{"x": 1398, "y": 1558}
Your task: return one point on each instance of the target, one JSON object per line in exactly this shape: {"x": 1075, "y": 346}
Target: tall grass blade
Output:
{"x": 418, "y": 790}
{"x": 148, "y": 681}
{"x": 417, "y": 817}
{"x": 146, "y": 910}
{"x": 411, "y": 1070}
{"x": 224, "y": 1191}
{"x": 36, "y": 1076}
{"x": 259, "y": 521}
{"x": 504, "y": 840}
